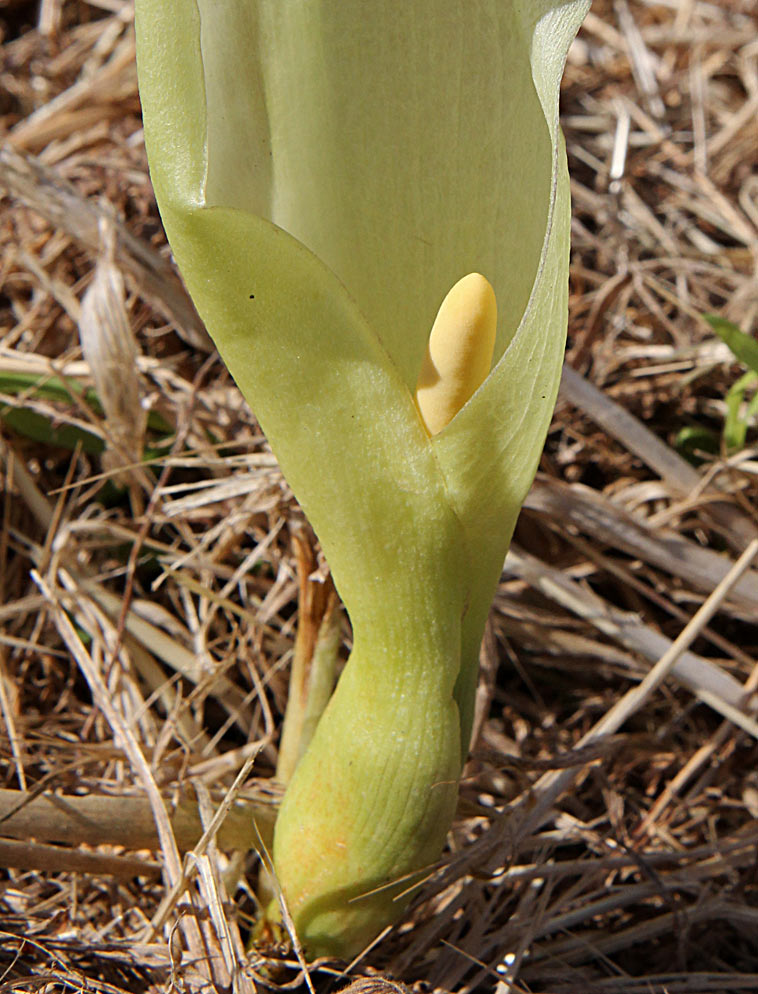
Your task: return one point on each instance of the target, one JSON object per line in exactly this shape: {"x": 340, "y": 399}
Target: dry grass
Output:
{"x": 607, "y": 828}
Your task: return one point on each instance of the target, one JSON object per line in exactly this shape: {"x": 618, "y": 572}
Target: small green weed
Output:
{"x": 741, "y": 399}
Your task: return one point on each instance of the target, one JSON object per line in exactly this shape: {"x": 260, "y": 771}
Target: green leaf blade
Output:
{"x": 744, "y": 347}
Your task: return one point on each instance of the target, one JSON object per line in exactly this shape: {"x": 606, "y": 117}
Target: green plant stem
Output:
{"x": 315, "y": 658}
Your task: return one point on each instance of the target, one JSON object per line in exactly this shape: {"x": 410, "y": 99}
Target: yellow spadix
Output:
{"x": 459, "y": 354}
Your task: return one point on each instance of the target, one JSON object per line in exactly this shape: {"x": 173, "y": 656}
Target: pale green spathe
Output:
{"x": 326, "y": 171}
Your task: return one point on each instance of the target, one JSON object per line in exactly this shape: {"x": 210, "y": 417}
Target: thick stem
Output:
{"x": 368, "y": 809}
{"x": 119, "y": 821}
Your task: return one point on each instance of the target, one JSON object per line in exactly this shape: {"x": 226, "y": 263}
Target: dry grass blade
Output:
{"x": 371, "y": 985}
{"x": 676, "y": 472}
{"x": 47, "y": 193}
{"x": 121, "y": 728}
{"x": 54, "y": 859}
{"x": 604, "y": 520}
{"x": 170, "y": 650}
{"x": 549, "y": 787}
{"x": 125, "y": 737}
{"x": 711, "y": 684}
{"x": 110, "y": 349}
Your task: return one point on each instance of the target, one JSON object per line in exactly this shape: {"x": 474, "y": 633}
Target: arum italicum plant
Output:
{"x": 327, "y": 170}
